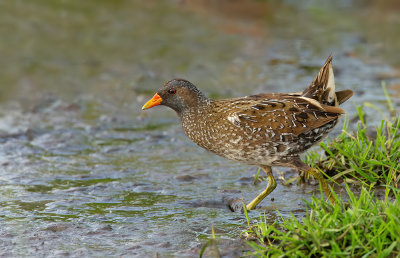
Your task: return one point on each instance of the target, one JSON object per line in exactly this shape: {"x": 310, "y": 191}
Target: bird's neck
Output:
{"x": 195, "y": 107}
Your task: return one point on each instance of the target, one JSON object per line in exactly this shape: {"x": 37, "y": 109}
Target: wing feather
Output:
{"x": 287, "y": 114}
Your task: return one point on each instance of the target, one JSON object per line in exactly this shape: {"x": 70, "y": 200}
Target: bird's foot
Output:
{"x": 234, "y": 204}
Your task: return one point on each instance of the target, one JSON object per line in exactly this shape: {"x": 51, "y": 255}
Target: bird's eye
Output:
{"x": 171, "y": 91}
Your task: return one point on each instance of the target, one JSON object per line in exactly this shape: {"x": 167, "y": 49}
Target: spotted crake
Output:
{"x": 267, "y": 129}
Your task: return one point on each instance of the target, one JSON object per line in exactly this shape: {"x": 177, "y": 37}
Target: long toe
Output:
{"x": 234, "y": 204}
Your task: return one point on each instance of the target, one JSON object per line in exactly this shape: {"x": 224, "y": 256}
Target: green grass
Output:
{"x": 368, "y": 156}
{"x": 212, "y": 245}
{"x": 366, "y": 226}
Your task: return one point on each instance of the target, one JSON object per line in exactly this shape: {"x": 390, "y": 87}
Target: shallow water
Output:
{"x": 84, "y": 172}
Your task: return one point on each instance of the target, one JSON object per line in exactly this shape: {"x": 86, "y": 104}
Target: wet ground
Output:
{"x": 84, "y": 172}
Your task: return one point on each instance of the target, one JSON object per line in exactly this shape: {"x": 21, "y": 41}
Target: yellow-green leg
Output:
{"x": 270, "y": 187}
{"x": 317, "y": 175}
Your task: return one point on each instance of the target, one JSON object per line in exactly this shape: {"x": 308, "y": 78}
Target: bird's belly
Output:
{"x": 237, "y": 148}
{"x": 256, "y": 156}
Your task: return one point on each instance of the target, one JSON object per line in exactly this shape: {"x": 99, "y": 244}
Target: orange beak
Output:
{"x": 154, "y": 101}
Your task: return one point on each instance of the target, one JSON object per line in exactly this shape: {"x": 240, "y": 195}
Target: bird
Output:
{"x": 266, "y": 129}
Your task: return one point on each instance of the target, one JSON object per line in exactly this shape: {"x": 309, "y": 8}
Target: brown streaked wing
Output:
{"x": 283, "y": 113}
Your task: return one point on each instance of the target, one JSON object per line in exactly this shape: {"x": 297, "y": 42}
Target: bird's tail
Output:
{"x": 322, "y": 88}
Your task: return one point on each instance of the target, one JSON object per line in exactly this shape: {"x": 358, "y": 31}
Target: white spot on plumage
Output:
{"x": 312, "y": 101}
{"x": 235, "y": 141}
{"x": 330, "y": 86}
{"x": 234, "y": 119}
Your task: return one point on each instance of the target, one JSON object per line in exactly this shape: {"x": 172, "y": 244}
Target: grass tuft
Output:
{"x": 363, "y": 227}
{"x": 368, "y": 156}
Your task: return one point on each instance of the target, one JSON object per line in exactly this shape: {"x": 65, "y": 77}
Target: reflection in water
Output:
{"x": 84, "y": 172}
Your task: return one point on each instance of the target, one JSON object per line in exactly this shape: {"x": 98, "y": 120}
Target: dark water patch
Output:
{"x": 57, "y": 227}
{"x": 190, "y": 178}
